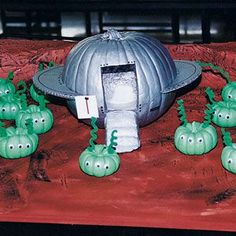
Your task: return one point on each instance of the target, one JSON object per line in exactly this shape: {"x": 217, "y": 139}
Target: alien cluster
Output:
{"x": 199, "y": 138}
{"x": 28, "y": 121}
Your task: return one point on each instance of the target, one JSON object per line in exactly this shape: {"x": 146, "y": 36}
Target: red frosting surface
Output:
{"x": 156, "y": 186}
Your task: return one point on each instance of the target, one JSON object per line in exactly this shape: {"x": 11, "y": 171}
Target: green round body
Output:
{"x": 224, "y": 114}
{"x": 194, "y": 139}
{"x": 229, "y": 92}
{"x": 18, "y": 143}
{"x": 99, "y": 162}
{"x": 6, "y": 88}
{"x": 228, "y": 158}
{"x": 42, "y": 119}
{"x": 9, "y": 107}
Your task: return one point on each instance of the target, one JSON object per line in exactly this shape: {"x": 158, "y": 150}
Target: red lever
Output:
{"x": 86, "y": 100}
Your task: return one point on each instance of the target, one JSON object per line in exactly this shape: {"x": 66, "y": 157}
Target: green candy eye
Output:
{"x": 225, "y": 114}
{"x": 42, "y": 119}
{"x": 195, "y": 138}
{"x": 9, "y": 106}
{"x": 228, "y": 158}
{"x": 99, "y": 162}
{"x": 229, "y": 92}
{"x": 200, "y": 139}
{"x": 17, "y": 143}
{"x": 228, "y": 155}
{"x": 7, "y": 88}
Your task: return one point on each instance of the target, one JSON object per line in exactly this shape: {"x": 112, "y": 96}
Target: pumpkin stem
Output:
{"x": 35, "y": 93}
{"x": 23, "y": 101}
{"x": 112, "y": 34}
{"x": 224, "y": 73}
{"x": 10, "y": 76}
{"x": 93, "y": 134}
{"x": 51, "y": 64}
{"x": 181, "y": 111}
{"x": 23, "y": 89}
{"x": 113, "y": 143}
{"x": 40, "y": 67}
{"x": 29, "y": 126}
{"x": 208, "y": 113}
{"x": 42, "y": 103}
{"x": 210, "y": 94}
{"x": 226, "y": 137}
{"x": 195, "y": 127}
{"x": 3, "y": 132}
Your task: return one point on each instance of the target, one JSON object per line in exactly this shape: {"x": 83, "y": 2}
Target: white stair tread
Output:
{"x": 123, "y": 132}
{"x": 121, "y": 119}
{"x": 126, "y": 143}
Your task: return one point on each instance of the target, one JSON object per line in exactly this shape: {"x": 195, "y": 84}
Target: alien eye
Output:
{"x": 229, "y": 96}
{"x": 190, "y": 140}
{"x": 20, "y": 146}
{"x": 220, "y": 115}
{"x": 229, "y": 161}
{"x": 13, "y": 109}
{"x": 7, "y": 91}
{"x": 3, "y": 109}
{"x": 35, "y": 121}
{"x": 181, "y": 137}
{"x": 11, "y": 146}
{"x": 87, "y": 163}
{"x": 28, "y": 145}
{"x": 43, "y": 120}
{"x": 200, "y": 140}
{"x": 107, "y": 167}
{"x": 98, "y": 165}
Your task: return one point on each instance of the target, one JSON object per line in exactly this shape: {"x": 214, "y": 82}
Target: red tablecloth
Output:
{"x": 156, "y": 185}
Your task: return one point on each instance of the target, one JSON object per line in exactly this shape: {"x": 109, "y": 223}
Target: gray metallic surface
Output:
{"x": 154, "y": 67}
{"x": 158, "y": 76}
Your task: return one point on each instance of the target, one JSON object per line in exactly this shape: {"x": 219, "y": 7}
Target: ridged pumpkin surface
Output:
{"x": 155, "y": 70}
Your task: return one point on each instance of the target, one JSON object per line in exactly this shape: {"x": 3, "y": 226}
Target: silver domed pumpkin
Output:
{"x": 153, "y": 66}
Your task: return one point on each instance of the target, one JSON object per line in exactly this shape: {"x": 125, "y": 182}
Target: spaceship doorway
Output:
{"x": 120, "y": 87}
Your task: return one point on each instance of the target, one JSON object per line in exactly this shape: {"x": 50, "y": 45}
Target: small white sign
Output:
{"x": 86, "y": 107}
